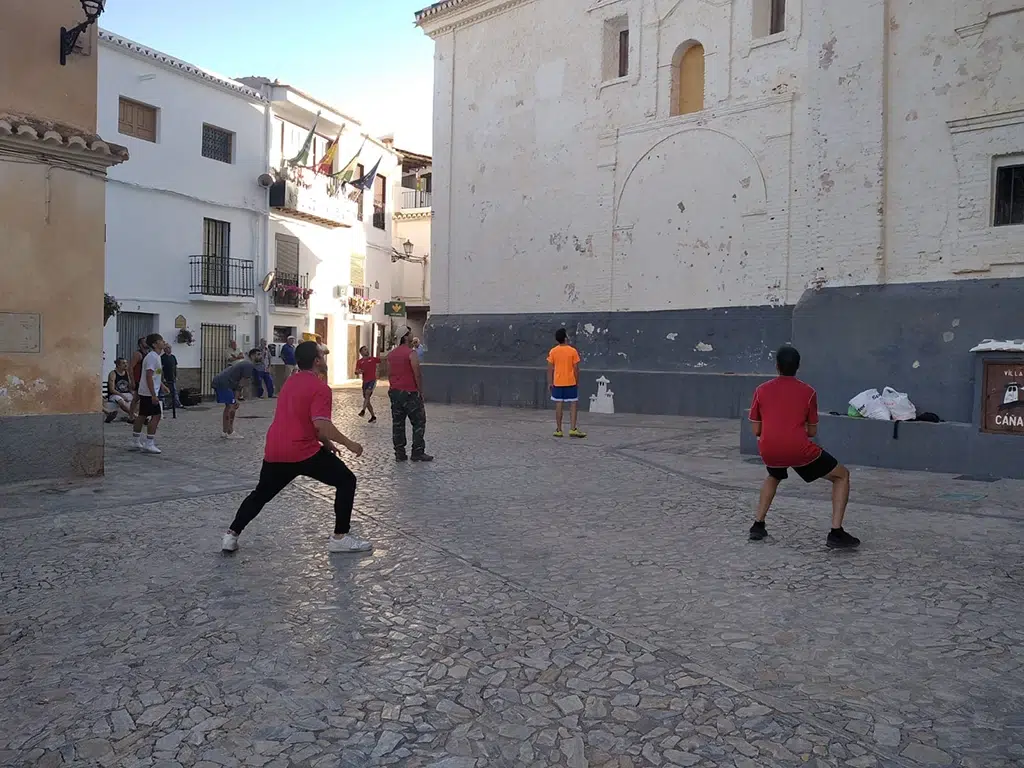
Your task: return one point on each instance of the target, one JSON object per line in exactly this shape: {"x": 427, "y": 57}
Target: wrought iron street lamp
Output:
{"x": 407, "y": 246}
{"x": 69, "y": 37}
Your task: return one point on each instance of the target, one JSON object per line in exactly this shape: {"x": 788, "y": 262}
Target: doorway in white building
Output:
{"x": 213, "y": 341}
{"x": 131, "y": 326}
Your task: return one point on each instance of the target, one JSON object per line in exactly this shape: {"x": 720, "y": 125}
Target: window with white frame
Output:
{"x": 769, "y": 18}
{"x": 1008, "y": 192}
{"x": 616, "y": 62}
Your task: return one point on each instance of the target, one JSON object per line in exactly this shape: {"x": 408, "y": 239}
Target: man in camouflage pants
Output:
{"x": 406, "y": 393}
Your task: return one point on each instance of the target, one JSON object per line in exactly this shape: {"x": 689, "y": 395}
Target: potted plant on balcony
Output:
{"x": 111, "y": 307}
{"x": 185, "y": 336}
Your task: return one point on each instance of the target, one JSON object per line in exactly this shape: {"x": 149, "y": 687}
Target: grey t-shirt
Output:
{"x": 232, "y": 376}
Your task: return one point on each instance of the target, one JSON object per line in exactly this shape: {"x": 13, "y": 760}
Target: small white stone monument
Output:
{"x": 604, "y": 400}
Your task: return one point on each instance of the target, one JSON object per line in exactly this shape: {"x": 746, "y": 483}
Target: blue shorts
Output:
{"x": 565, "y": 394}
{"x": 369, "y": 386}
{"x": 226, "y": 396}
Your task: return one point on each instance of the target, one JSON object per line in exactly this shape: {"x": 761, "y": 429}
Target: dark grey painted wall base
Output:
{"x": 675, "y": 393}
{"x": 50, "y": 447}
{"x": 950, "y": 447}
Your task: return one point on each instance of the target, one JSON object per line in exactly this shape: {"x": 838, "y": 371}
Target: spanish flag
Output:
{"x": 326, "y": 164}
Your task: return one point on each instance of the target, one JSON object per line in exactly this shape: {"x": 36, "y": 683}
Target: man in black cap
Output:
{"x": 406, "y": 392}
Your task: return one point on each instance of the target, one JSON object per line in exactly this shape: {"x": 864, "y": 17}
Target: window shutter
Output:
{"x": 286, "y": 255}
{"x": 357, "y": 269}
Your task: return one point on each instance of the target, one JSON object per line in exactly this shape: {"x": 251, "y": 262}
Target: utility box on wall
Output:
{"x": 999, "y": 391}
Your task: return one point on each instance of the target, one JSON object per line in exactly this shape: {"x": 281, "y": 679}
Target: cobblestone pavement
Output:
{"x": 530, "y": 602}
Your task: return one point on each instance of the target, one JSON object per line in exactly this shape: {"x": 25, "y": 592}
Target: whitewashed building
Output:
{"x": 410, "y": 277}
{"x": 688, "y": 184}
{"x": 330, "y": 250}
{"x": 186, "y": 224}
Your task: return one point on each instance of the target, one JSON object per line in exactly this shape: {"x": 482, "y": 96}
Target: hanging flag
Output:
{"x": 366, "y": 181}
{"x": 345, "y": 174}
{"x": 303, "y": 156}
{"x": 326, "y": 164}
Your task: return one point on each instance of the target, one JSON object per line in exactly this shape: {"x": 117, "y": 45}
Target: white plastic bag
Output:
{"x": 869, "y": 404}
{"x": 899, "y": 405}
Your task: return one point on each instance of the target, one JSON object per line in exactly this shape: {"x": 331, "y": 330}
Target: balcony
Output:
{"x": 414, "y": 198}
{"x": 291, "y": 291}
{"x": 312, "y": 198}
{"x": 360, "y": 304}
{"x": 216, "y": 277}
{"x": 379, "y": 219}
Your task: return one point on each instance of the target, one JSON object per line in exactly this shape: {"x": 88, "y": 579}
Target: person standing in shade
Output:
{"x": 233, "y": 353}
{"x": 135, "y": 371}
{"x": 302, "y": 441}
{"x": 150, "y": 389}
{"x": 288, "y": 357}
{"x": 563, "y": 381}
{"x": 784, "y": 417}
{"x": 262, "y": 370}
{"x": 228, "y": 384}
{"x": 367, "y": 368}
{"x": 170, "y": 366}
{"x": 406, "y": 394}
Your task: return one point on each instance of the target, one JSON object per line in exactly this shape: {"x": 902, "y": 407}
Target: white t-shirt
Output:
{"x": 151, "y": 363}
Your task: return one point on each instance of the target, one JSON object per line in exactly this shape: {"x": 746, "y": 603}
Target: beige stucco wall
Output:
{"x": 31, "y": 77}
{"x": 52, "y": 202}
{"x": 53, "y": 266}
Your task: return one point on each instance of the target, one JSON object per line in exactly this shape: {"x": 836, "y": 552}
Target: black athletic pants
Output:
{"x": 323, "y": 466}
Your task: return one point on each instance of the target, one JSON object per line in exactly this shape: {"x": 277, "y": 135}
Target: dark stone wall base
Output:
{"x": 675, "y": 393}
{"x": 950, "y": 447}
{"x": 50, "y": 447}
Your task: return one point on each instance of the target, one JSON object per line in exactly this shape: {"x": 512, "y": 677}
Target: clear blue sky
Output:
{"x": 364, "y": 56}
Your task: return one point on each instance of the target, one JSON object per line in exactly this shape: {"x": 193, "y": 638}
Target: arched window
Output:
{"x": 688, "y": 79}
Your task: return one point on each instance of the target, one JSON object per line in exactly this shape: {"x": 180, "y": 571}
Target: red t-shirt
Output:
{"x": 400, "y": 369}
{"x": 292, "y": 436}
{"x": 367, "y": 366}
{"x": 785, "y": 406}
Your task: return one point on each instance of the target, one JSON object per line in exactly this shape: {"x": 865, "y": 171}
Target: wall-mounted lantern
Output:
{"x": 69, "y": 37}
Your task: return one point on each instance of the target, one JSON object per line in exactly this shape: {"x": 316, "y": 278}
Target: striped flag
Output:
{"x": 326, "y": 164}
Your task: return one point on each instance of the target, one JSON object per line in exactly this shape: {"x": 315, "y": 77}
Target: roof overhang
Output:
{"x": 448, "y": 15}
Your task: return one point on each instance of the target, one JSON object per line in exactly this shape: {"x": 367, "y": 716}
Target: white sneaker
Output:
{"x": 229, "y": 543}
{"x": 150, "y": 447}
{"x": 231, "y": 436}
{"x": 349, "y": 543}
{"x": 135, "y": 442}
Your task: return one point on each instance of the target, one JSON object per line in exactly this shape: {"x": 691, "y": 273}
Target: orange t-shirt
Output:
{"x": 564, "y": 357}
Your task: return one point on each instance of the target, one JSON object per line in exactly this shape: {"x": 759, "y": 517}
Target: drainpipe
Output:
{"x": 264, "y": 308}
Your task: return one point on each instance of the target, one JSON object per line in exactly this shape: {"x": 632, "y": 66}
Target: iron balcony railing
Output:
{"x": 291, "y": 290}
{"x": 415, "y": 198}
{"x": 379, "y": 220}
{"x": 217, "y": 276}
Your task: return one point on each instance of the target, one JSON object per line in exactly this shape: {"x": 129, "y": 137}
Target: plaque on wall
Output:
{"x": 21, "y": 332}
{"x": 180, "y": 322}
{"x": 1002, "y": 410}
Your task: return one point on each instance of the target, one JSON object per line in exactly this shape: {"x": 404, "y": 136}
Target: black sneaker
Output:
{"x": 422, "y": 457}
{"x": 362, "y": 412}
{"x": 372, "y": 419}
{"x": 401, "y": 457}
{"x": 758, "y": 531}
{"x": 840, "y": 539}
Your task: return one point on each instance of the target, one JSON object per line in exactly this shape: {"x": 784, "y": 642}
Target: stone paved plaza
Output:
{"x": 530, "y": 602}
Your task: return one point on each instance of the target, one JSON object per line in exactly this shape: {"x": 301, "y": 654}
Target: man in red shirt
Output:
{"x": 406, "y": 393}
{"x": 301, "y": 441}
{"x": 784, "y": 415}
{"x": 367, "y": 367}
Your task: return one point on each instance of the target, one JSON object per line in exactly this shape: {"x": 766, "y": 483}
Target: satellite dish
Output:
{"x": 265, "y": 180}
{"x": 268, "y": 281}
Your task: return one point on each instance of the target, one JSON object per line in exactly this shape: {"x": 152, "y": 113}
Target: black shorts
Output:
{"x": 147, "y": 407}
{"x": 816, "y": 470}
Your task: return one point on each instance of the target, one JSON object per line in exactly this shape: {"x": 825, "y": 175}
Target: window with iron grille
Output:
{"x": 217, "y": 143}
{"x": 380, "y": 185}
{"x": 1009, "y": 197}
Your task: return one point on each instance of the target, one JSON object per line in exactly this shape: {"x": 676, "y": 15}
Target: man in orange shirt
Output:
{"x": 563, "y": 381}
